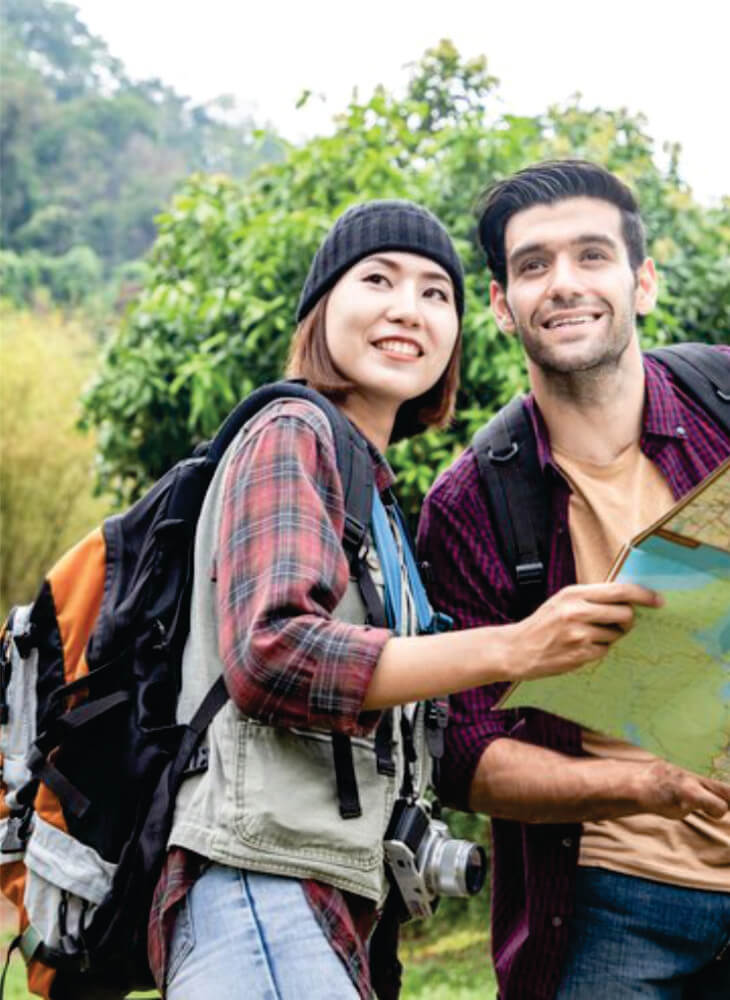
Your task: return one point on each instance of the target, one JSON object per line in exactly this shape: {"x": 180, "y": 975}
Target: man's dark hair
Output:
{"x": 544, "y": 184}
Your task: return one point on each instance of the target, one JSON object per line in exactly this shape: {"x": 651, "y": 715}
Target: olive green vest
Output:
{"x": 268, "y": 800}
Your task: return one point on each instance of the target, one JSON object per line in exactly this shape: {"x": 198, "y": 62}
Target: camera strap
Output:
{"x": 405, "y": 609}
{"x": 437, "y": 709}
{"x": 406, "y": 605}
{"x": 400, "y": 573}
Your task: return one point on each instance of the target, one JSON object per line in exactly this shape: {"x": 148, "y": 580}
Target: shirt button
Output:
{"x": 557, "y": 921}
{"x": 680, "y": 431}
{"x": 567, "y": 842}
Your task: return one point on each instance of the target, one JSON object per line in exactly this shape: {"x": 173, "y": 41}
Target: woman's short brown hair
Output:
{"x": 310, "y": 359}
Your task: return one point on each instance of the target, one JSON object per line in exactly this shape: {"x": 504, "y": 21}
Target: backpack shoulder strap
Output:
{"x": 704, "y": 373}
{"x": 353, "y": 461}
{"x": 514, "y": 486}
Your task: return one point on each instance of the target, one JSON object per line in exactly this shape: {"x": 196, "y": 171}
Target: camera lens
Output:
{"x": 475, "y": 871}
{"x": 454, "y": 867}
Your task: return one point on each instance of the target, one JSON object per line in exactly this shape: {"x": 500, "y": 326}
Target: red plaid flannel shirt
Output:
{"x": 281, "y": 548}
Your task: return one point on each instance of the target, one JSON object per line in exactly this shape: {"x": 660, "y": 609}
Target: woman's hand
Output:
{"x": 577, "y": 625}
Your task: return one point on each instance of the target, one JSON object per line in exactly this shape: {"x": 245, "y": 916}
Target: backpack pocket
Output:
{"x": 66, "y": 881}
{"x": 21, "y": 701}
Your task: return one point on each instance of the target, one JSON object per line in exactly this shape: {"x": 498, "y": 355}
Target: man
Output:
{"x": 611, "y": 867}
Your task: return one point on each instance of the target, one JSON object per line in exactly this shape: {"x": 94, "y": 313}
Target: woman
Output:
{"x": 268, "y": 891}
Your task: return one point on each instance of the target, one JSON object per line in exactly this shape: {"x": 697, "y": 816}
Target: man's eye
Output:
{"x": 593, "y": 254}
{"x": 531, "y": 265}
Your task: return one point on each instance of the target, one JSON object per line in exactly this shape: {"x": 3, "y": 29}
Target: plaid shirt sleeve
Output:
{"x": 281, "y": 573}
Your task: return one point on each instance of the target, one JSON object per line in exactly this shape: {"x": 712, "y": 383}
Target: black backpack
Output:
{"x": 92, "y": 753}
{"x": 512, "y": 480}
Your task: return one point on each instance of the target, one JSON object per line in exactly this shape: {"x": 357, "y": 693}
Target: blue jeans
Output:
{"x": 241, "y": 934}
{"x": 635, "y": 938}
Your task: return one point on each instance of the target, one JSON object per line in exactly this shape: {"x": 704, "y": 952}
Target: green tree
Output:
{"x": 216, "y": 313}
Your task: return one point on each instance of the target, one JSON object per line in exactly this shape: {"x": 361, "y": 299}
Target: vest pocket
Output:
{"x": 286, "y": 798}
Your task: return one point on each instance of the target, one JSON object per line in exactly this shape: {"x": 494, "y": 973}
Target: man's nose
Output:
{"x": 565, "y": 281}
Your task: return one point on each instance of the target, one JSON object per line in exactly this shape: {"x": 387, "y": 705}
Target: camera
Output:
{"x": 426, "y": 862}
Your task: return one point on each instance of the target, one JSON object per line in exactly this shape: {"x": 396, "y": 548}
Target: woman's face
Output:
{"x": 391, "y": 325}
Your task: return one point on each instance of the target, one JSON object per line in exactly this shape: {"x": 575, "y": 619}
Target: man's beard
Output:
{"x": 595, "y": 356}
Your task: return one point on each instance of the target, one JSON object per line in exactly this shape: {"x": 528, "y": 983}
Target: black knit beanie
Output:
{"x": 379, "y": 225}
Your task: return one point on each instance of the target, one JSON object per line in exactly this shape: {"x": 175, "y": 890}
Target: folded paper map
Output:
{"x": 666, "y": 685}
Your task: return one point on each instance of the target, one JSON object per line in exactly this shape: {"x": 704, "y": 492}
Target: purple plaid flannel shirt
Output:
{"x": 534, "y": 865}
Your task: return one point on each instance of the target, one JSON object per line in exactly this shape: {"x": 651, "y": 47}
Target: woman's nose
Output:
{"x": 404, "y": 305}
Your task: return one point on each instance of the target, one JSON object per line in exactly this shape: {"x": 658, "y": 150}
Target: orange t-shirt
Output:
{"x": 608, "y": 506}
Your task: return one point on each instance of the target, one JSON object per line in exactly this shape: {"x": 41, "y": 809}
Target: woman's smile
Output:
{"x": 400, "y": 348}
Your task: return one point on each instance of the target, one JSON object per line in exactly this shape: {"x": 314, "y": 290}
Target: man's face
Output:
{"x": 571, "y": 294}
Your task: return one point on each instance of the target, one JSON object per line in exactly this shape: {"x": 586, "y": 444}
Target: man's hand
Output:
{"x": 670, "y": 791}
{"x": 520, "y": 781}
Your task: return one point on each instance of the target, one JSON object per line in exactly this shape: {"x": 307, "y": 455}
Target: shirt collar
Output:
{"x": 662, "y": 413}
{"x": 542, "y": 434}
{"x": 384, "y": 475}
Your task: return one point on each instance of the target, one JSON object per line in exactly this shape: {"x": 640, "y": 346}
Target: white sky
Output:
{"x": 666, "y": 59}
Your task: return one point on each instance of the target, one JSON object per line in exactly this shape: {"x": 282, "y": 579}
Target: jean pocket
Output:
{"x": 183, "y": 939}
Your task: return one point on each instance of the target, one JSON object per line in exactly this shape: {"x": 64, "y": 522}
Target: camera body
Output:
{"x": 426, "y": 862}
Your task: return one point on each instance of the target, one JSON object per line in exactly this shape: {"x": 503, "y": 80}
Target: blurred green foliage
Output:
{"x": 216, "y": 313}
{"x": 46, "y": 501}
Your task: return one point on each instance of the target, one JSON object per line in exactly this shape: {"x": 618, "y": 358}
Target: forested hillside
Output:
{"x": 90, "y": 156}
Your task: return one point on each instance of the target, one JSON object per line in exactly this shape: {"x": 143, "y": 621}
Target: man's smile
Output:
{"x": 571, "y": 318}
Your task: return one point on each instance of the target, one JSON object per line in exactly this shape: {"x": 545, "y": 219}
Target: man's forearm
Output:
{"x": 520, "y": 781}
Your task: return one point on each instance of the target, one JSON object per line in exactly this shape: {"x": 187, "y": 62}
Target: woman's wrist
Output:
{"x": 500, "y": 653}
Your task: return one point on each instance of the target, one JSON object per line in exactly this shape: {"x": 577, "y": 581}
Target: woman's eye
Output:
{"x": 438, "y": 293}
{"x": 376, "y": 278}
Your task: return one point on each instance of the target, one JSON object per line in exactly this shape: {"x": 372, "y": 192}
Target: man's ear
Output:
{"x": 500, "y": 308}
{"x": 647, "y": 287}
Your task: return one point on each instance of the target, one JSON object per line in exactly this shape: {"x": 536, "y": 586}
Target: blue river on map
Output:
{"x": 665, "y": 565}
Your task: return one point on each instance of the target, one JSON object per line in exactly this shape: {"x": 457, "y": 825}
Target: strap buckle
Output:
{"x": 24, "y": 642}
{"x": 198, "y": 762}
{"x": 503, "y": 456}
{"x": 17, "y": 831}
{"x": 354, "y": 538}
{"x": 440, "y": 622}
{"x": 530, "y": 573}
{"x": 437, "y": 718}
